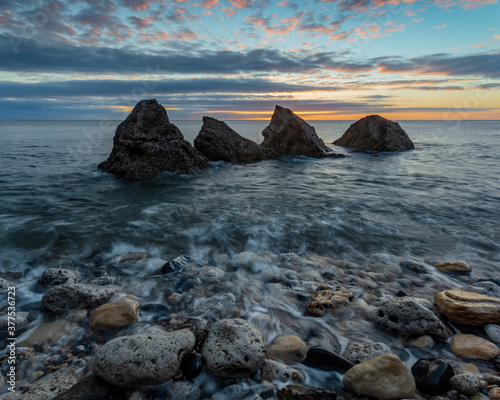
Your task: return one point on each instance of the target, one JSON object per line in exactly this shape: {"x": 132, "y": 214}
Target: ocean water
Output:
{"x": 356, "y": 217}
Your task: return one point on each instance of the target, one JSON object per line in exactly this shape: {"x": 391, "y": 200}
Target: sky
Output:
{"x": 237, "y": 59}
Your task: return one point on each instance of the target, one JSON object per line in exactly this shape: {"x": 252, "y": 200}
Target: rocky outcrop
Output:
{"x": 146, "y": 143}
{"x": 288, "y": 134}
{"x": 375, "y": 133}
{"x": 63, "y": 298}
{"x": 142, "y": 359}
{"x": 233, "y": 348}
{"x": 468, "y": 308}
{"x": 384, "y": 377}
{"x": 218, "y": 142}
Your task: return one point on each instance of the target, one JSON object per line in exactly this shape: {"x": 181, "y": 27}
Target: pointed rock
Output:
{"x": 288, "y": 134}
{"x": 375, "y": 133}
{"x": 146, "y": 143}
{"x": 218, "y": 142}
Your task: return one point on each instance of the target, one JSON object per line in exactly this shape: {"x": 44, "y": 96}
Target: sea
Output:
{"x": 353, "y": 219}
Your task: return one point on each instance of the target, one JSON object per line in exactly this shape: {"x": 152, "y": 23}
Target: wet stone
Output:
{"x": 103, "y": 280}
{"x": 328, "y": 301}
{"x": 457, "y": 267}
{"x": 486, "y": 288}
{"x": 471, "y": 346}
{"x": 424, "y": 342}
{"x": 467, "y": 384}
{"x": 184, "y": 390}
{"x": 90, "y": 388}
{"x": 414, "y": 266}
{"x": 320, "y": 358}
{"x": 276, "y": 370}
{"x": 300, "y": 392}
{"x": 289, "y": 349}
{"x": 432, "y": 375}
{"x": 192, "y": 366}
{"x": 4, "y": 284}
{"x": 493, "y": 332}
{"x": 22, "y": 318}
{"x": 358, "y": 352}
{"x": 177, "y": 264}
{"x": 58, "y": 276}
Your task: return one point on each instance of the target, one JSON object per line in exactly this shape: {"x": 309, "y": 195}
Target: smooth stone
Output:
{"x": 218, "y": 142}
{"x": 192, "y": 366}
{"x": 486, "y": 288}
{"x": 468, "y": 308}
{"x": 288, "y": 134}
{"x": 233, "y": 348}
{"x": 90, "y": 388}
{"x": 375, "y": 133}
{"x": 493, "y": 332}
{"x": 289, "y": 349}
{"x": 103, "y": 280}
{"x": 77, "y": 316}
{"x": 457, "y": 267}
{"x": 471, "y": 346}
{"x": 177, "y": 264}
{"x": 62, "y": 298}
{"x": 127, "y": 258}
{"x": 184, "y": 390}
{"x": 424, "y": 342}
{"x": 328, "y": 301}
{"x": 414, "y": 266}
{"x": 5, "y": 284}
{"x": 494, "y": 393}
{"x": 410, "y": 315}
{"x": 210, "y": 274}
{"x": 384, "y": 377}
{"x": 467, "y": 384}
{"x": 142, "y": 359}
{"x": 117, "y": 314}
{"x": 358, "y": 352}
{"x": 320, "y": 358}
{"x": 147, "y": 143}
{"x": 58, "y": 276}
{"x": 300, "y": 392}
{"x": 281, "y": 372}
{"x": 21, "y": 319}
{"x": 36, "y": 375}
{"x": 432, "y": 375}
{"x": 46, "y": 332}
{"x": 215, "y": 304}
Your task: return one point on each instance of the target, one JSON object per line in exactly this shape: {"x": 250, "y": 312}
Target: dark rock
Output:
{"x": 177, "y": 264}
{"x": 66, "y": 297}
{"x": 411, "y": 315}
{"x": 375, "y": 133}
{"x": 432, "y": 375}
{"x": 146, "y": 143}
{"x": 320, "y": 358}
{"x": 300, "y": 392}
{"x": 103, "y": 280}
{"x": 58, "y": 276}
{"x": 414, "y": 266}
{"x": 218, "y": 142}
{"x": 192, "y": 366}
{"x": 358, "y": 352}
{"x": 486, "y": 288}
{"x": 90, "y": 388}
{"x": 4, "y": 284}
{"x": 496, "y": 363}
{"x": 288, "y": 134}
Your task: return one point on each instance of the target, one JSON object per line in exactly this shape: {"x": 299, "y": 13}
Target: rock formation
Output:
{"x": 375, "y": 133}
{"x": 147, "y": 143}
{"x": 288, "y": 134}
{"x": 218, "y": 142}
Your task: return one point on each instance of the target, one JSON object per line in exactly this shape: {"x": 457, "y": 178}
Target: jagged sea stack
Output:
{"x": 288, "y": 134}
{"x": 218, "y": 142}
{"x": 375, "y": 133}
{"x": 146, "y": 143}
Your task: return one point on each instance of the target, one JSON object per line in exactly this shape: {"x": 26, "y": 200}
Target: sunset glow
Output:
{"x": 237, "y": 59}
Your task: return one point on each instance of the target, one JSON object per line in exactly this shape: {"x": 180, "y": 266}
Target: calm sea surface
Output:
{"x": 368, "y": 212}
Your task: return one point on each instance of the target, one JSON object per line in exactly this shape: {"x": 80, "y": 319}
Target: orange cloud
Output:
{"x": 441, "y": 26}
{"x": 239, "y": 3}
{"x": 229, "y": 12}
{"x": 209, "y": 3}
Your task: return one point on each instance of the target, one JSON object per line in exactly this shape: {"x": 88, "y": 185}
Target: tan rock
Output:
{"x": 116, "y": 314}
{"x": 46, "y": 332}
{"x": 384, "y": 377}
{"x": 494, "y": 393}
{"x": 289, "y": 349}
{"x": 424, "y": 342}
{"x": 276, "y": 370}
{"x": 327, "y": 301}
{"x": 468, "y": 308}
{"x": 471, "y": 346}
{"x": 457, "y": 267}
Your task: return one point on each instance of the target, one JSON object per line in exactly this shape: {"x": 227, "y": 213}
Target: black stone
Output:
{"x": 300, "y": 392}
{"x": 176, "y": 264}
{"x": 192, "y": 366}
{"x": 320, "y": 358}
{"x": 496, "y": 363}
{"x": 432, "y": 375}
{"x": 401, "y": 293}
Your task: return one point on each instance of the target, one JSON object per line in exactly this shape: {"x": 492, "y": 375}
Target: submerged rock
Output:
{"x": 493, "y": 332}
{"x": 471, "y": 346}
{"x": 66, "y": 297}
{"x": 414, "y": 266}
{"x": 276, "y": 370}
{"x": 142, "y": 359}
{"x": 288, "y": 134}
{"x": 375, "y": 133}
{"x": 119, "y": 313}
{"x": 90, "y": 388}
{"x": 411, "y": 315}
{"x": 457, "y": 267}
{"x": 318, "y": 357}
{"x": 358, "y": 352}
{"x": 146, "y": 143}
{"x": 4, "y": 284}
{"x": 328, "y": 301}
{"x": 289, "y": 349}
{"x": 432, "y": 375}
{"x": 218, "y": 142}
{"x": 177, "y": 264}
{"x": 58, "y": 276}
{"x": 233, "y": 348}
{"x": 300, "y": 392}
{"x": 384, "y": 377}
{"x": 468, "y": 308}
{"x": 468, "y": 384}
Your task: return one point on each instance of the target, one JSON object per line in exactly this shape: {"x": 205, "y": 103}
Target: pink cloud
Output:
{"x": 209, "y": 3}
{"x": 229, "y": 12}
{"x": 282, "y": 3}
{"x": 441, "y": 26}
{"x": 239, "y": 3}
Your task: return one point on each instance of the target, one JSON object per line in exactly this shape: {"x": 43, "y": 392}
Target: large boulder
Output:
{"x": 288, "y": 134}
{"x": 147, "y": 143}
{"x": 218, "y": 142}
{"x": 375, "y": 133}
{"x": 142, "y": 359}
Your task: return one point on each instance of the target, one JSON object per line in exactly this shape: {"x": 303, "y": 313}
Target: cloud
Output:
{"x": 441, "y": 26}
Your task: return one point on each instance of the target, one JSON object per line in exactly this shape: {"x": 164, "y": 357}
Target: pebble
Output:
{"x": 103, "y": 280}
{"x": 494, "y": 393}
{"x": 4, "y": 284}
{"x": 467, "y": 384}
{"x": 328, "y": 301}
{"x": 276, "y": 370}
{"x": 457, "y": 267}
{"x": 432, "y": 375}
{"x": 320, "y": 358}
{"x": 210, "y": 274}
{"x": 471, "y": 346}
{"x": 300, "y": 392}
{"x": 358, "y": 352}
{"x": 36, "y": 375}
{"x": 424, "y": 342}
{"x": 289, "y": 349}
{"x": 493, "y": 332}
{"x": 117, "y": 314}
{"x": 177, "y": 264}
